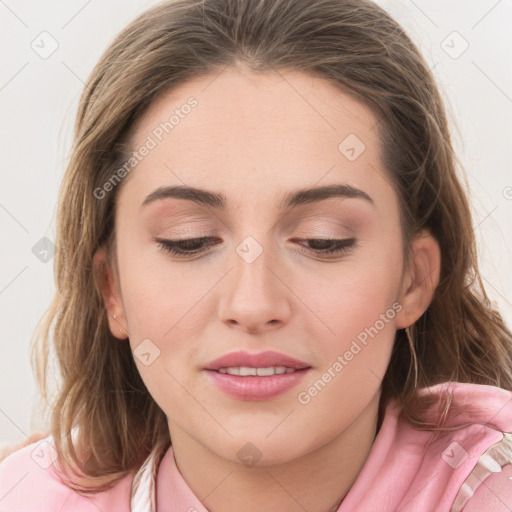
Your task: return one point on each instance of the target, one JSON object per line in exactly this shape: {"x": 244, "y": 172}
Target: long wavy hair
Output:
{"x": 103, "y": 419}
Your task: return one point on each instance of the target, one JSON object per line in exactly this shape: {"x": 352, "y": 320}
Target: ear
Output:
{"x": 109, "y": 287}
{"x": 420, "y": 281}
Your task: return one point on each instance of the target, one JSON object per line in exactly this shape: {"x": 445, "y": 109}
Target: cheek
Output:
{"x": 156, "y": 293}
{"x": 357, "y": 306}
{"x": 159, "y": 305}
{"x": 353, "y": 295}
{"x": 357, "y": 344}
{"x": 358, "y": 311}
{"x": 165, "y": 303}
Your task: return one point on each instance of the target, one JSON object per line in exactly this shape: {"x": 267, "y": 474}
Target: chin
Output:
{"x": 260, "y": 450}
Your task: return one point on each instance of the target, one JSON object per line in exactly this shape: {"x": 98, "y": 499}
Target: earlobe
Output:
{"x": 421, "y": 281}
{"x": 109, "y": 290}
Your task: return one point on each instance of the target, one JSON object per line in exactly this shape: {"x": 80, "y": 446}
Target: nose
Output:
{"x": 256, "y": 297}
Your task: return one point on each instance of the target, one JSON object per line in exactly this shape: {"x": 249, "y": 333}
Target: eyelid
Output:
{"x": 324, "y": 221}
{"x": 315, "y": 224}
{"x": 342, "y": 246}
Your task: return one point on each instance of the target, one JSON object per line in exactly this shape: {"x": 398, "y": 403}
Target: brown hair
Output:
{"x": 360, "y": 49}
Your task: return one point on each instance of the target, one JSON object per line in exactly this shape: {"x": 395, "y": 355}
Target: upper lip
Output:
{"x": 260, "y": 360}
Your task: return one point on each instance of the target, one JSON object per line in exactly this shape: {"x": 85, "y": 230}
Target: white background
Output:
{"x": 38, "y": 101}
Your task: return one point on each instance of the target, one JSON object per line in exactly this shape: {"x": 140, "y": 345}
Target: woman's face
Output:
{"x": 260, "y": 284}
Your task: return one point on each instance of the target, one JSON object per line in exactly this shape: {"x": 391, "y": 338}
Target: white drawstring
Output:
{"x": 143, "y": 491}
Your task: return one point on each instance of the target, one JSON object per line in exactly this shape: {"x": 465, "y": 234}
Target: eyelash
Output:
{"x": 342, "y": 246}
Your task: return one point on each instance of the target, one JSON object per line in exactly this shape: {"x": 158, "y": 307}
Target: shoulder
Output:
{"x": 28, "y": 482}
{"x": 467, "y": 463}
{"x": 494, "y": 494}
{"x": 489, "y": 485}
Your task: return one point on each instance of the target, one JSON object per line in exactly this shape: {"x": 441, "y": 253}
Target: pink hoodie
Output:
{"x": 469, "y": 469}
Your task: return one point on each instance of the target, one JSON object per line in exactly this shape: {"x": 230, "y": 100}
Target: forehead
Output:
{"x": 255, "y": 133}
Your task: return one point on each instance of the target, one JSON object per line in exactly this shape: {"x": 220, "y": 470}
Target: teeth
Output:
{"x": 245, "y": 371}
{"x": 267, "y": 371}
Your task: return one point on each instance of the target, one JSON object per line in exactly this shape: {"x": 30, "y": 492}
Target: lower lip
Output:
{"x": 254, "y": 387}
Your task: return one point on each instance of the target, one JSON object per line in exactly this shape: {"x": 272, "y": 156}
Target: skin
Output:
{"x": 254, "y": 137}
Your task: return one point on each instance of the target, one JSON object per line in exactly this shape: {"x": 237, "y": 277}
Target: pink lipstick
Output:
{"x": 256, "y": 376}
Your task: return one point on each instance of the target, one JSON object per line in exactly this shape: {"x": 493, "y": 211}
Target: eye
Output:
{"x": 194, "y": 246}
{"x": 185, "y": 247}
{"x": 330, "y": 246}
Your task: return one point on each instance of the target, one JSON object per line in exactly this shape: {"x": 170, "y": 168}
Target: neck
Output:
{"x": 318, "y": 481}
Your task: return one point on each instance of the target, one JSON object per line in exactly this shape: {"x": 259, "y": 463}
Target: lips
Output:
{"x": 265, "y": 359}
{"x": 261, "y": 376}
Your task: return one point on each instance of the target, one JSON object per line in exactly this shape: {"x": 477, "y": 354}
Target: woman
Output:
{"x": 267, "y": 287}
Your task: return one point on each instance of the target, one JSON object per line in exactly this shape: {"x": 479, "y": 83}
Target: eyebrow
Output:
{"x": 289, "y": 200}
